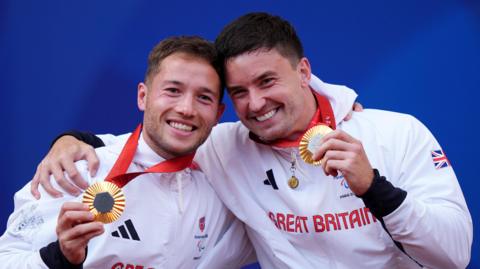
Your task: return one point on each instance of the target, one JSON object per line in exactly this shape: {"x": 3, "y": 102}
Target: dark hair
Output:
{"x": 192, "y": 45}
{"x": 255, "y": 31}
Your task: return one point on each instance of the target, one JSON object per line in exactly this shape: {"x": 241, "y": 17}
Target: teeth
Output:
{"x": 266, "y": 116}
{"x": 181, "y": 126}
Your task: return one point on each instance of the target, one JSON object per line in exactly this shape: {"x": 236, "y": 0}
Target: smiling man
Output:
{"x": 384, "y": 195}
{"x": 172, "y": 217}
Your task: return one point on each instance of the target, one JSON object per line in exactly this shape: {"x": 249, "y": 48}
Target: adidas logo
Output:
{"x": 270, "y": 181}
{"x": 127, "y": 233}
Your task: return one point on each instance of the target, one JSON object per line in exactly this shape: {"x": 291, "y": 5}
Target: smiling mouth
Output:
{"x": 181, "y": 126}
{"x": 267, "y": 115}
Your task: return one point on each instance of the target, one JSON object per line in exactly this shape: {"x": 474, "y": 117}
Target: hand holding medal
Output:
{"x": 342, "y": 153}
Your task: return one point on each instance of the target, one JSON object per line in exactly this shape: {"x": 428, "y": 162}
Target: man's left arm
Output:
{"x": 421, "y": 206}
{"x": 432, "y": 223}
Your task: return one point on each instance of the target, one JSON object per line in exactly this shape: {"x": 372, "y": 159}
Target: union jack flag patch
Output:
{"x": 439, "y": 159}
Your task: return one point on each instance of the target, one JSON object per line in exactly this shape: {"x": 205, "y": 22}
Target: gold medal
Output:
{"x": 105, "y": 200}
{"x": 311, "y": 142}
{"x": 293, "y": 182}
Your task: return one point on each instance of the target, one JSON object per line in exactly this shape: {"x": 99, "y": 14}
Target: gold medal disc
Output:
{"x": 293, "y": 182}
{"x": 105, "y": 200}
{"x": 311, "y": 141}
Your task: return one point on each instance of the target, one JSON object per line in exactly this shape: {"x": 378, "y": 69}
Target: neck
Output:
{"x": 156, "y": 147}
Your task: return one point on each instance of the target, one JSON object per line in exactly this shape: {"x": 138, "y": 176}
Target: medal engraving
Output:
{"x": 311, "y": 142}
{"x": 105, "y": 200}
{"x": 314, "y": 143}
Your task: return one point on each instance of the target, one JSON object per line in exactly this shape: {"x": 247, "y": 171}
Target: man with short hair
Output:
{"x": 383, "y": 196}
{"x": 168, "y": 215}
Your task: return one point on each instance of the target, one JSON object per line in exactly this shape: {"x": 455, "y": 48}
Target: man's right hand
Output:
{"x": 60, "y": 159}
{"x": 75, "y": 228}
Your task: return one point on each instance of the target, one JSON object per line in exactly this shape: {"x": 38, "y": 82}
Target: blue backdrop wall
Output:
{"x": 76, "y": 65}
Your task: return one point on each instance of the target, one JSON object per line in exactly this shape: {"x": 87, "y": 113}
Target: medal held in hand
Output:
{"x": 106, "y": 200}
{"x": 310, "y": 142}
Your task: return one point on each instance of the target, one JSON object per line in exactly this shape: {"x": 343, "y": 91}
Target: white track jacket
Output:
{"x": 171, "y": 220}
{"x": 321, "y": 223}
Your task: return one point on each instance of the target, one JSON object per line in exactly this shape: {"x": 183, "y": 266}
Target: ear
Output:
{"x": 142, "y": 96}
{"x": 305, "y": 71}
{"x": 221, "y": 109}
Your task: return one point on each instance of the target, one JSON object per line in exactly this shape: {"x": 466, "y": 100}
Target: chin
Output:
{"x": 267, "y": 136}
{"x": 183, "y": 151}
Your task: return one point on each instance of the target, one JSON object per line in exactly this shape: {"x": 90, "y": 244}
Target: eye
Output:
{"x": 205, "y": 98}
{"x": 267, "y": 82}
{"x": 172, "y": 90}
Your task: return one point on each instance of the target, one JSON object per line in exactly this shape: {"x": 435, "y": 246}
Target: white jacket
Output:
{"x": 321, "y": 224}
{"x": 168, "y": 228}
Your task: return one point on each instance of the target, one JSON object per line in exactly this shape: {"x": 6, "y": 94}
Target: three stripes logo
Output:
{"x": 126, "y": 231}
{"x": 270, "y": 180}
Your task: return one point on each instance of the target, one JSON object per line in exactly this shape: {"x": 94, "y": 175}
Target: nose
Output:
{"x": 256, "y": 101}
{"x": 185, "y": 106}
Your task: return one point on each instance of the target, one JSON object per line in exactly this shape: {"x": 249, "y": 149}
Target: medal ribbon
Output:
{"x": 323, "y": 115}
{"x": 118, "y": 175}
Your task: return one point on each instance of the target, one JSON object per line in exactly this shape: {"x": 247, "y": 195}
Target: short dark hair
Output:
{"x": 259, "y": 30}
{"x": 191, "y": 45}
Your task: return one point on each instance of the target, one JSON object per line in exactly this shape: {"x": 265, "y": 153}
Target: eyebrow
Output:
{"x": 257, "y": 79}
{"x": 179, "y": 83}
{"x": 175, "y": 82}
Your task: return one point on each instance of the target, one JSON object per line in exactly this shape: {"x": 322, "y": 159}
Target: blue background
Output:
{"x": 76, "y": 65}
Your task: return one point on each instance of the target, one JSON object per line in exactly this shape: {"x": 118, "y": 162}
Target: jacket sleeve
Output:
{"x": 430, "y": 219}
{"x": 93, "y": 140}
{"x": 30, "y": 229}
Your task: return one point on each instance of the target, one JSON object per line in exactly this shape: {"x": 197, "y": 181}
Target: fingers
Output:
{"x": 75, "y": 220}
{"x": 92, "y": 160}
{"x": 72, "y": 218}
{"x": 34, "y": 186}
{"x": 67, "y": 158}
{"x": 330, "y": 162}
{"x": 71, "y": 214}
{"x": 330, "y": 167}
{"x": 337, "y": 140}
{"x": 44, "y": 178}
{"x": 339, "y": 134}
{"x": 349, "y": 116}
{"x": 73, "y": 241}
{"x": 61, "y": 158}
{"x": 341, "y": 153}
{"x": 68, "y": 206}
{"x": 357, "y": 107}
{"x": 84, "y": 231}
{"x": 59, "y": 176}
{"x": 73, "y": 247}
{"x": 74, "y": 175}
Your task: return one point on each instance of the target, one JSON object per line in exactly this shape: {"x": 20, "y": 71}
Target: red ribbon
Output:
{"x": 118, "y": 175}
